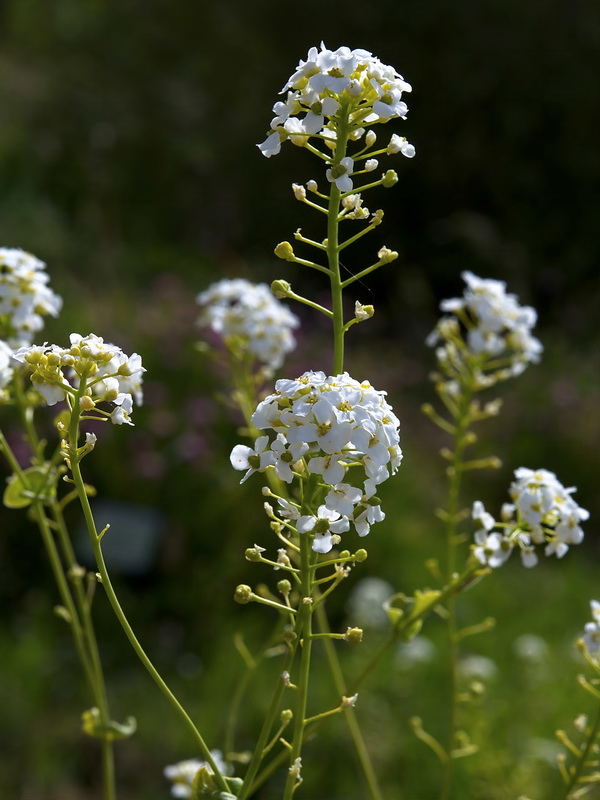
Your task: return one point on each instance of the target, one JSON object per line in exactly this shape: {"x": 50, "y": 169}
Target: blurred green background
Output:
{"x": 128, "y": 164}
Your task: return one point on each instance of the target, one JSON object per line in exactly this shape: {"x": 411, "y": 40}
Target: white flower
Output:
{"x": 240, "y": 311}
{"x": 343, "y": 498}
{"x": 495, "y": 327}
{"x": 324, "y": 523}
{"x": 182, "y": 774}
{"x": 253, "y": 460}
{"x": 271, "y": 146}
{"x": 398, "y": 144}
{"x": 340, "y": 174}
{"x": 325, "y": 80}
{"x": 591, "y": 636}
{"x": 109, "y": 374}
{"x": 6, "y": 370}
{"x": 492, "y": 549}
{"x": 25, "y": 297}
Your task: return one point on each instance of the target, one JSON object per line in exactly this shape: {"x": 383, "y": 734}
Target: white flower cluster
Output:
{"x": 498, "y": 330}
{"x": 327, "y": 81}
{"x": 591, "y": 633}
{"x": 543, "y": 511}
{"x": 25, "y": 297}
{"x": 250, "y": 313}
{"x": 182, "y": 774}
{"x": 337, "y": 428}
{"x": 109, "y": 374}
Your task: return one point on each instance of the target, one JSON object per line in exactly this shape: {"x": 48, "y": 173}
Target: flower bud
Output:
{"x": 299, "y": 191}
{"x": 86, "y": 403}
{"x": 361, "y": 313}
{"x": 243, "y": 594}
{"x": 252, "y": 554}
{"x": 286, "y": 715}
{"x": 281, "y": 288}
{"x": 386, "y": 255}
{"x": 354, "y": 635}
{"x": 371, "y": 164}
{"x": 284, "y": 587}
{"x": 370, "y": 138}
{"x": 285, "y": 251}
{"x": 360, "y": 555}
{"x": 389, "y": 179}
{"x": 312, "y": 186}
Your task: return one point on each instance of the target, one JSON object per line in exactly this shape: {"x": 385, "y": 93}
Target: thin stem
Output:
{"x": 454, "y": 486}
{"x": 116, "y": 606}
{"x": 303, "y": 629}
{"x": 333, "y": 254}
{"x": 584, "y": 756}
{"x": 350, "y": 715}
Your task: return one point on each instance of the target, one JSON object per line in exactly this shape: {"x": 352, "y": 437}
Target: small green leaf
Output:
{"x": 20, "y": 493}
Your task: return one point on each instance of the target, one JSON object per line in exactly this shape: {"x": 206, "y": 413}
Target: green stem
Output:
{"x": 333, "y": 254}
{"x": 584, "y": 756}
{"x": 116, "y": 606}
{"x": 304, "y": 630}
{"x": 454, "y": 486}
{"x": 349, "y": 713}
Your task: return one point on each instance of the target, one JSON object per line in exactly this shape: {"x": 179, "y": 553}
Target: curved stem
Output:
{"x": 116, "y": 606}
{"x": 584, "y": 756}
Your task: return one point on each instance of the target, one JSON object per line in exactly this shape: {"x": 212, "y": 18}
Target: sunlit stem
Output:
{"x": 333, "y": 251}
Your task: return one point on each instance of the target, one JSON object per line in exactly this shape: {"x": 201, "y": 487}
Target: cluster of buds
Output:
{"x": 90, "y": 367}
{"x": 248, "y": 315}
{"x": 25, "y": 297}
{"x": 486, "y": 335}
{"x": 333, "y": 427}
{"x": 542, "y": 512}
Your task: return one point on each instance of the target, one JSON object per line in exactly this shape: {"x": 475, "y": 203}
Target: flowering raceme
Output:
{"x": 238, "y": 309}
{"x": 108, "y": 373}
{"x": 339, "y": 429}
{"x": 497, "y": 338}
{"x": 543, "y": 511}
{"x": 25, "y": 297}
{"x": 330, "y": 86}
{"x": 591, "y": 634}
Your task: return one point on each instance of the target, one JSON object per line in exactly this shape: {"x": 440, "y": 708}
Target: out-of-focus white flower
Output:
{"x": 25, "y": 297}
{"x": 343, "y": 428}
{"x": 182, "y": 774}
{"x": 365, "y": 604}
{"x": 591, "y": 635}
{"x": 249, "y": 313}
{"x": 6, "y": 370}
{"x": 109, "y": 374}
{"x": 531, "y": 647}
{"x": 497, "y": 332}
{"x": 477, "y": 667}
{"x": 542, "y": 512}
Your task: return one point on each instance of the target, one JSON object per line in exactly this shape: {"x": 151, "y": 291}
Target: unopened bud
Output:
{"x": 370, "y": 138}
{"x": 285, "y": 251}
{"x": 252, "y": 554}
{"x": 284, "y": 586}
{"x": 371, "y": 164}
{"x": 281, "y": 288}
{"x": 299, "y": 191}
{"x": 354, "y": 635}
{"x": 389, "y": 179}
{"x": 360, "y": 555}
{"x": 243, "y": 594}
{"x": 312, "y": 186}
{"x": 361, "y": 313}
{"x": 286, "y": 715}
{"x": 86, "y": 403}
{"x": 386, "y": 255}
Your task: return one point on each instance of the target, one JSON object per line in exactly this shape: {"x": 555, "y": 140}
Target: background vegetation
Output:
{"x": 127, "y": 163}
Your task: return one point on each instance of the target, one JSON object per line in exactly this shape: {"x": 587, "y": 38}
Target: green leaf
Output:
{"x": 34, "y": 485}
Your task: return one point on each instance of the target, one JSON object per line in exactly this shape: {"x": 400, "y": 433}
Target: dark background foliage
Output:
{"x": 127, "y": 163}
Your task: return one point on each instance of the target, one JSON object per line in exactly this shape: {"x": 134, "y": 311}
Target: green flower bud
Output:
{"x": 286, "y": 715}
{"x": 389, "y": 179}
{"x": 360, "y": 555}
{"x": 281, "y": 288}
{"x": 354, "y": 635}
{"x": 284, "y": 586}
{"x": 285, "y": 251}
{"x": 243, "y": 594}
